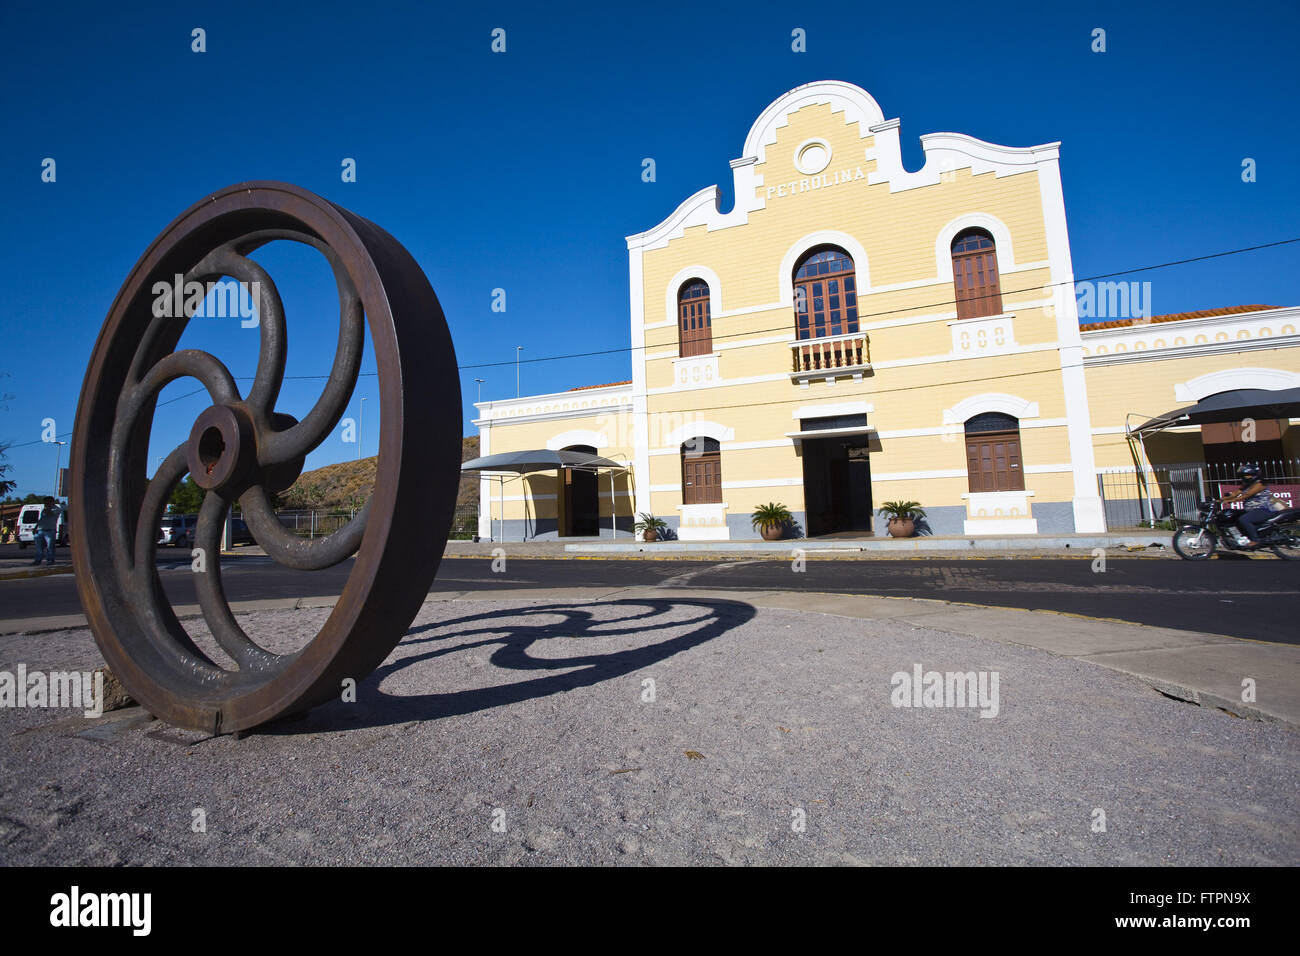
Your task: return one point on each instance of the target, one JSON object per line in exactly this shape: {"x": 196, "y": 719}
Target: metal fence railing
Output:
{"x": 316, "y": 524}
{"x": 464, "y": 526}
{"x": 1135, "y": 498}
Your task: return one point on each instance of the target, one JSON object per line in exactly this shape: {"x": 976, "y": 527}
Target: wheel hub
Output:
{"x": 221, "y": 449}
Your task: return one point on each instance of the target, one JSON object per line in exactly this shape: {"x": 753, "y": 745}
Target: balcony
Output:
{"x": 831, "y": 357}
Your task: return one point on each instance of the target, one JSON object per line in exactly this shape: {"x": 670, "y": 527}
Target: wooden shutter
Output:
{"x": 694, "y": 325}
{"x": 702, "y": 478}
{"x": 975, "y": 281}
{"x": 993, "y": 462}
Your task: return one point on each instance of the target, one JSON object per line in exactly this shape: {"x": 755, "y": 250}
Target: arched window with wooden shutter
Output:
{"x": 975, "y": 274}
{"x": 701, "y": 471}
{"x": 993, "y": 453}
{"x": 694, "y": 324}
{"x": 825, "y": 294}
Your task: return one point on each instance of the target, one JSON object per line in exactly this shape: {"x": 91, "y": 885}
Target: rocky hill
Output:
{"x": 346, "y": 485}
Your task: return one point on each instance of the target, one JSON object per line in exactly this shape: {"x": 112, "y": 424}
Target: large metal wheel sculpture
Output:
{"x": 242, "y": 449}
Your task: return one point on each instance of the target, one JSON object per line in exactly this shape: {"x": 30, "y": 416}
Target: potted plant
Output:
{"x": 770, "y": 520}
{"x": 902, "y": 517}
{"x": 650, "y": 526}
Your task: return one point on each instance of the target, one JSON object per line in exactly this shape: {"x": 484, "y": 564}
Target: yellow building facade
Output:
{"x": 852, "y": 333}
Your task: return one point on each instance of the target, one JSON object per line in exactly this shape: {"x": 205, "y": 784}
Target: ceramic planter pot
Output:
{"x": 902, "y": 527}
{"x": 771, "y": 532}
{"x": 650, "y": 534}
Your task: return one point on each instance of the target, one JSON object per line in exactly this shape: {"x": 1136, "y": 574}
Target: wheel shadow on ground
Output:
{"x": 705, "y": 620}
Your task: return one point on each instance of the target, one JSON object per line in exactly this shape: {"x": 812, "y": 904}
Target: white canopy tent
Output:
{"x": 520, "y": 463}
{"x": 1230, "y": 406}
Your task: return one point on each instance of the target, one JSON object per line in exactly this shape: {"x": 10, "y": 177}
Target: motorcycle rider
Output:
{"x": 1257, "y": 501}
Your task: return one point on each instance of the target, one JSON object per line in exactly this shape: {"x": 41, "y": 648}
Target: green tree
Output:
{"x": 312, "y": 495}
{"x": 31, "y": 498}
{"x": 6, "y": 485}
{"x": 187, "y": 497}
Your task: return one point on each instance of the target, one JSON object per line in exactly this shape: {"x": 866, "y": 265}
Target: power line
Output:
{"x": 782, "y": 328}
{"x": 917, "y": 308}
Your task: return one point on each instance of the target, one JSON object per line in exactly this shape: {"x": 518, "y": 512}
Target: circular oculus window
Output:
{"x": 812, "y": 156}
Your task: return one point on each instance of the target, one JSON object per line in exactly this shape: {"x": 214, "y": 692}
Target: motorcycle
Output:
{"x": 1216, "y": 525}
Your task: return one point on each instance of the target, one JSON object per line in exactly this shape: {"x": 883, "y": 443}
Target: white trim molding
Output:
{"x": 1231, "y": 379}
{"x": 577, "y": 436}
{"x": 998, "y": 512}
{"x": 973, "y": 220}
{"x": 978, "y": 526}
{"x": 639, "y": 411}
{"x": 854, "y": 103}
{"x": 704, "y": 274}
{"x": 826, "y": 411}
{"x": 1145, "y": 341}
{"x": 696, "y": 371}
{"x": 823, "y": 237}
{"x": 698, "y": 429}
{"x": 945, "y": 153}
{"x": 704, "y": 522}
{"x": 574, "y": 403}
{"x": 967, "y": 408}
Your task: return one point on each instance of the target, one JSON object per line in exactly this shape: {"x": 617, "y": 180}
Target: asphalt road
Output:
{"x": 1256, "y": 599}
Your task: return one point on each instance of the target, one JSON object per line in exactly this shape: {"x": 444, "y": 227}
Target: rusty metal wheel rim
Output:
{"x": 243, "y": 448}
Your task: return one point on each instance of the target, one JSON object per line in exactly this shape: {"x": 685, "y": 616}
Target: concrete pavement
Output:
{"x": 602, "y": 727}
{"x": 1155, "y": 542}
{"x": 1207, "y": 669}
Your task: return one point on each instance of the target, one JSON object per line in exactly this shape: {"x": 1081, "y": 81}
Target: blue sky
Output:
{"x": 522, "y": 170}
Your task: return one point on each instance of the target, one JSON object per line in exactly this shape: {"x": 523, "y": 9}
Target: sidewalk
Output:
{"x": 1136, "y": 543}
{"x": 25, "y": 567}
{"x": 645, "y": 725}
{"x": 1200, "y": 668}
{"x": 1062, "y": 545}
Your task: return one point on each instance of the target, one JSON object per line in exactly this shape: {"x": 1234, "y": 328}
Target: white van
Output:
{"x": 27, "y": 519}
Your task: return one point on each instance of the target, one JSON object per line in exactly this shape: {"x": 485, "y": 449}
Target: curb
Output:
{"x": 1170, "y": 689}
{"x": 849, "y": 547}
{"x": 15, "y": 574}
{"x": 1189, "y": 695}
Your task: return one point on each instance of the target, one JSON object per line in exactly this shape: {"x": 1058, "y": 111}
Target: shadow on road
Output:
{"x": 376, "y": 708}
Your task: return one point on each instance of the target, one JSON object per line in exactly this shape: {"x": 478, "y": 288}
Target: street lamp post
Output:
{"x": 480, "y": 388}
{"x": 58, "y": 453}
{"x": 361, "y": 429}
{"x": 518, "y": 349}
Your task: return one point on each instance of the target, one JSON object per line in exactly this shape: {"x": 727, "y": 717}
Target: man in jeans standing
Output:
{"x": 47, "y": 530}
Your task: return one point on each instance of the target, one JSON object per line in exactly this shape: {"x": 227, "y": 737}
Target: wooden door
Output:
{"x": 702, "y": 479}
{"x": 993, "y": 462}
{"x": 975, "y": 278}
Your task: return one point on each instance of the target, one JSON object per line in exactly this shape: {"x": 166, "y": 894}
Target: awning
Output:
{"x": 1227, "y": 407}
{"x": 540, "y": 459}
{"x": 544, "y": 459}
{"x": 831, "y": 432}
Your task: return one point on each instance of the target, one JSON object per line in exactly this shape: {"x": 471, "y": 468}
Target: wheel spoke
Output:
{"x": 129, "y": 443}
{"x": 304, "y": 554}
{"x": 212, "y": 597}
{"x": 244, "y": 448}
{"x": 277, "y": 447}
{"x": 156, "y": 494}
{"x": 225, "y": 261}
{"x": 140, "y": 576}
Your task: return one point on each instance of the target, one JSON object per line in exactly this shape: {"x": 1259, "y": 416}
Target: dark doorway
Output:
{"x": 1226, "y": 444}
{"x": 580, "y": 500}
{"x": 837, "y": 485}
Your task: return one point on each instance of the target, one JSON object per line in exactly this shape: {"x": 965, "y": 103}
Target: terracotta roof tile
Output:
{"x": 583, "y": 388}
{"x": 1175, "y": 317}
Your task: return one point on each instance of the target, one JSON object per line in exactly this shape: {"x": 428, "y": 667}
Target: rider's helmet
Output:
{"x": 1248, "y": 474}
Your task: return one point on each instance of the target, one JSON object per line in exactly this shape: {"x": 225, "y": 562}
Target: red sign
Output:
{"x": 1289, "y": 495}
